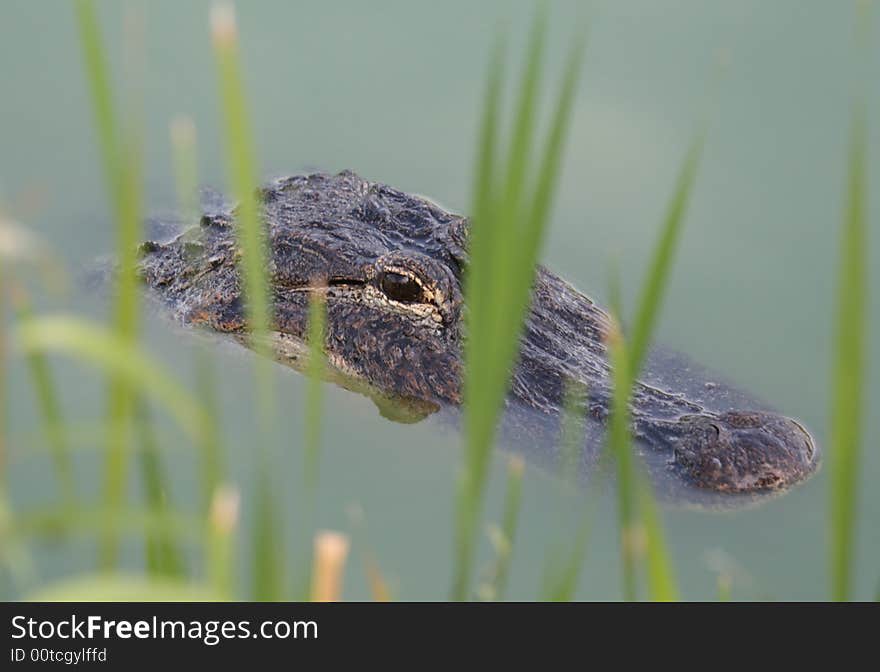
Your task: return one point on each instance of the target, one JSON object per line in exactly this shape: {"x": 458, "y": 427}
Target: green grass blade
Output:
{"x": 315, "y": 370}
{"x": 121, "y": 159}
{"x": 50, "y": 407}
{"x": 268, "y": 548}
{"x": 849, "y": 365}
{"x": 314, "y": 396}
{"x": 380, "y": 589}
{"x": 635, "y": 500}
{"x": 636, "y": 508}
{"x": 526, "y": 252}
{"x": 15, "y": 559}
{"x": 561, "y": 577}
{"x": 562, "y": 584}
{"x": 662, "y": 586}
{"x": 518, "y": 159}
{"x": 99, "y": 88}
{"x": 213, "y": 469}
{"x": 510, "y": 520}
{"x": 483, "y": 239}
{"x": 120, "y": 401}
{"x": 495, "y": 293}
{"x": 640, "y": 522}
{"x": 104, "y": 349}
{"x": 241, "y": 164}
{"x": 505, "y": 536}
{"x": 548, "y": 171}
{"x": 508, "y": 219}
{"x": 183, "y": 145}
{"x": 56, "y": 521}
{"x": 506, "y": 222}
{"x": 220, "y": 555}
{"x": 618, "y": 439}
{"x": 478, "y": 426}
{"x": 162, "y": 555}
{"x": 3, "y": 360}
{"x": 571, "y": 441}
{"x": 724, "y": 584}
{"x": 654, "y": 285}
{"x": 122, "y": 588}
{"x": 487, "y": 147}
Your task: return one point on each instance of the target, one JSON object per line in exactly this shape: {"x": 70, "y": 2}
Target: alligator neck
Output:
{"x": 564, "y": 341}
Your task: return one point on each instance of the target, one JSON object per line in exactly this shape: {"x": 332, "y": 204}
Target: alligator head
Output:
{"x": 387, "y": 264}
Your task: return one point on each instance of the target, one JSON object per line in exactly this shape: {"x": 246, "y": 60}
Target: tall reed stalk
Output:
{"x": 851, "y": 331}
{"x": 185, "y": 164}
{"x": 220, "y": 553}
{"x": 241, "y": 165}
{"x": 50, "y": 408}
{"x": 510, "y": 213}
{"x": 121, "y": 159}
{"x": 163, "y": 557}
{"x": 638, "y": 518}
{"x": 315, "y": 370}
{"x": 3, "y": 358}
{"x": 561, "y": 575}
{"x": 849, "y": 365}
{"x": 504, "y": 536}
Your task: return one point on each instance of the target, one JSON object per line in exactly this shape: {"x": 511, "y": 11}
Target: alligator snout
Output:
{"x": 744, "y": 451}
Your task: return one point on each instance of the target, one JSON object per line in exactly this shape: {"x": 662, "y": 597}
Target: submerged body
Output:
{"x": 390, "y": 266}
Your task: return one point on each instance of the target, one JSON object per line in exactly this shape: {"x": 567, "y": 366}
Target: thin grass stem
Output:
{"x": 220, "y": 553}
{"x": 163, "y": 558}
{"x": 241, "y": 164}
{"x": 504, "y": 245}
{"x": 851, "y": 326}
{"x": 50, "y": 407}
{"x": 121, "y": 161}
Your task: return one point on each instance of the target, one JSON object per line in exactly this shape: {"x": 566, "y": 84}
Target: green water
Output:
{"x": 393, "y": 90}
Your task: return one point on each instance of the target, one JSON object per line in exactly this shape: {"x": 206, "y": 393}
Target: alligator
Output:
{"x": 389, "y": 267}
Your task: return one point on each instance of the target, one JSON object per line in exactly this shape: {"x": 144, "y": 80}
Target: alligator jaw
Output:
{"x": 292, "y": 351}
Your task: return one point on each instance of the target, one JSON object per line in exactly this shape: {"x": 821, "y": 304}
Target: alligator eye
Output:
{"x": 401, "y": 287}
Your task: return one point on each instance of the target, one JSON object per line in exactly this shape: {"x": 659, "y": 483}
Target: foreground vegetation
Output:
{"x": 513, "y": 190}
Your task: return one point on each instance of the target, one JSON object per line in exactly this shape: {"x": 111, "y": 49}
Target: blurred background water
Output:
{"x": 393, "y": 90}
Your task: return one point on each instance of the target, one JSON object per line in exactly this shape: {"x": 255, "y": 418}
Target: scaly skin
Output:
{"x": 390, "y": 266}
